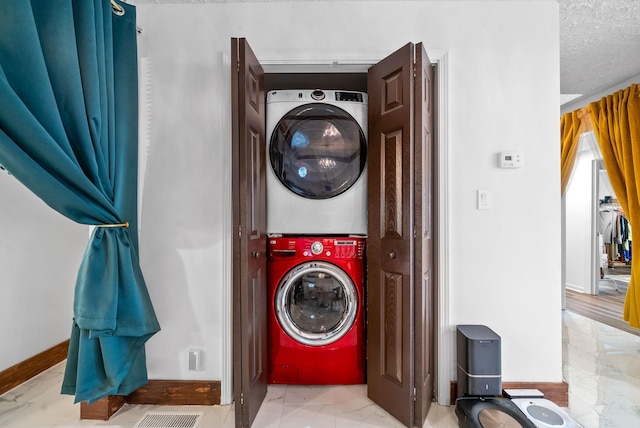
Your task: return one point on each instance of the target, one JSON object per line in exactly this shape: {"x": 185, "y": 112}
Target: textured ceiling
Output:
{"x": 599, "y": 42}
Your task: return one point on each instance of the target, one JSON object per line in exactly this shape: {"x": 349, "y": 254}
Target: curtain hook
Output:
{"x": 116, "y": 8}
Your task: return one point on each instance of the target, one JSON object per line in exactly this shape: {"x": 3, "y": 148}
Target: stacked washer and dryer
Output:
{"x": 316, "y": 223}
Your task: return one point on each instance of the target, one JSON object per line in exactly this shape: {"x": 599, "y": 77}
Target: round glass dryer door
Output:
{"x": 316, "y": 303}
{"x": 318, "y": 151}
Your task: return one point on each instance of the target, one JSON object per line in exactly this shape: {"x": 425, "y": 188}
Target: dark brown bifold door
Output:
{"x": 399, "y": 252}
{"x": 423, "y": 225}
{"x": 249, "y": 239}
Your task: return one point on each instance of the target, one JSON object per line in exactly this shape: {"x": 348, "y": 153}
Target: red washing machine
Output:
{"x": 316, "y": 310}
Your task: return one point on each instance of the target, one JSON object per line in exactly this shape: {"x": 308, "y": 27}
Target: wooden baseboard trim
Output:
{"x": 157, "y": 392}
{"x": 558, "y": 392}
{"x": 102, "y": 409}
{"x": 177, "y": 393}
{"x": 25, "y": 370}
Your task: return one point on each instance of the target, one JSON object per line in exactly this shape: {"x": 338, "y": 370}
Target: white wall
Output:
{"x": 578, "y": 226}
{"x": 40, "y": 252}
{"x": 503, "y": 95}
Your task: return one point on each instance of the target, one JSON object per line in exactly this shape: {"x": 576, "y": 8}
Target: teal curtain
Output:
{"x": 68, "y": 132}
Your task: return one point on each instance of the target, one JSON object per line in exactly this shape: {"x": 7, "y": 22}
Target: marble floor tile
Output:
{"x": 600, "y": 363}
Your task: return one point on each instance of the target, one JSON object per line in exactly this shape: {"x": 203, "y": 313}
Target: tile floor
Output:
{"x": 601, "y": 365}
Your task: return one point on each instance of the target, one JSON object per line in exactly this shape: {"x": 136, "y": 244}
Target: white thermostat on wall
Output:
{"x": 510, "y": 160}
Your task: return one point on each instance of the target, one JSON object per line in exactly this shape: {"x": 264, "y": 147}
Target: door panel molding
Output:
{"x": 391, "y": 186}
{"x": 392, "y": 289}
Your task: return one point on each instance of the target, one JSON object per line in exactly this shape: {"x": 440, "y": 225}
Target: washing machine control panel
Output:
{"x": 337, "y": 248}
{"x": 317, "y": 247}
{"x": 348, "y": 249}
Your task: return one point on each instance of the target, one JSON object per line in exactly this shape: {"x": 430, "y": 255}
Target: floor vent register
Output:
{"x": 169, "y": 420}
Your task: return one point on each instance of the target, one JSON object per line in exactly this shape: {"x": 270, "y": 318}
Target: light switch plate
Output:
{"x": 484, "y": 199}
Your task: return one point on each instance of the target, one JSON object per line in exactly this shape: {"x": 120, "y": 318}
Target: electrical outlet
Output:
{"x": 196, "y": 360}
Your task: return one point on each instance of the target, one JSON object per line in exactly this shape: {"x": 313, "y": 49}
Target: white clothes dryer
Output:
{"x": 316, "y": 162}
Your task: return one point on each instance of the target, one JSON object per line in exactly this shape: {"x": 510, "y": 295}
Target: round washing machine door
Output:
{"x": 318, "y": 151}
{"x": 316, "y": 303}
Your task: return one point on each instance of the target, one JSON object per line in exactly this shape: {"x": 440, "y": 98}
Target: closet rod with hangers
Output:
{"x": 609, "y": 206}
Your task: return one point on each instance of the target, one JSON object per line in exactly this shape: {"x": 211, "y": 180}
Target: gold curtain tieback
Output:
{"x": 125, "y": 224}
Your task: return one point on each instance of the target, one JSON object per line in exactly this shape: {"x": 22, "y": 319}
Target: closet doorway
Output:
{"x": 403, "y": 83}
{"x": 598, "y": 243}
